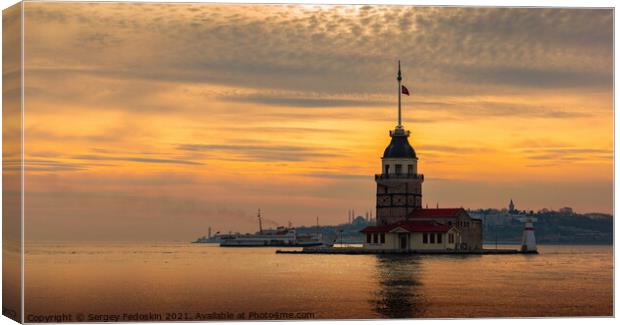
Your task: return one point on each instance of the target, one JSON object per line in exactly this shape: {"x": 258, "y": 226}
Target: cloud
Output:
{"x": 49, "y": 165}
{"x": 98, "y": 40}
{"x": 569, "y": 154}
{"x": 335, "y": 49}
{"x": 540, "y": 143}
{"x": 276, "y": 100}
{"x": 529, "y": 77}
{"x": 453, "y": 149}
{"x": 473, "y": 107}
{"x": 136, "y": 159}
{"x": 284, "y": 129}
{"x": 260, "y": 152}
{"x": 338, "y": 176}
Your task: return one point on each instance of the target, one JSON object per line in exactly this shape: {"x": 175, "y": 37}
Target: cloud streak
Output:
{"x": 529, "y": 77}
{"x": 136, "y": 159}
{"x": 566, "y": 154}
{"x": 258, "y": 152}
{"x": 276, "y": 100}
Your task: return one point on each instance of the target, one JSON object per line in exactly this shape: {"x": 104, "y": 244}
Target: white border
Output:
{"x": 485, "y": 3}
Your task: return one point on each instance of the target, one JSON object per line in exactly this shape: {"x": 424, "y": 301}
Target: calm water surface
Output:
{"x": 202, "y": 278}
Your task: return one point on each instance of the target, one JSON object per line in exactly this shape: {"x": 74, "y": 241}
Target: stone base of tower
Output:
{"x": 397, "y": 197}
{"x": 388, "y": 216}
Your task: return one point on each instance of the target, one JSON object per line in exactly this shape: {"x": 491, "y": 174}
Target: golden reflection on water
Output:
{"x": 167, "y": 278}
{"x": 398, "y": 294}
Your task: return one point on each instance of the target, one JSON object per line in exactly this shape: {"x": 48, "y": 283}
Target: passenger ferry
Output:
{"x": 279, "y": 237}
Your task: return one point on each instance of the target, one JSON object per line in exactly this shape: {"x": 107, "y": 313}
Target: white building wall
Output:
{"x": 404, "y": 162}
{"x": 391, "y": 242}
{"x": 416, "y": 242}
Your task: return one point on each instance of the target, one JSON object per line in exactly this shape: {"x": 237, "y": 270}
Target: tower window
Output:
{"x": 451, "y": 238}
{"x": 399, "y": 169}
{"x": 439, "y": 238}
{"x": 425, "y": 238}
{"x": 410, "y": 169}
{"x": 375, "y": 238}
{"x": 432, "y": 238}
{"x": 387, "y": 169}
{"x": 368, "y": 238}
{"x": 382, "y": 238}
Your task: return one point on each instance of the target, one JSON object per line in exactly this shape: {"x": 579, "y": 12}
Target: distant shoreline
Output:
{"x": 78, "y": 243}
{"x": 551, "y": 243}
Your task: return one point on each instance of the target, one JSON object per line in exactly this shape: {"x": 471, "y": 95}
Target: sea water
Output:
{"x": 178, "y": 281}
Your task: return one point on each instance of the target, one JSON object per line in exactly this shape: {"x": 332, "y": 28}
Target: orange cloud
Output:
{"x": 160, "y": 118}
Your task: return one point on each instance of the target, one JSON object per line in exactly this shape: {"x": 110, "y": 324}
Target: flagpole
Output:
{"x": 399, "y": 78}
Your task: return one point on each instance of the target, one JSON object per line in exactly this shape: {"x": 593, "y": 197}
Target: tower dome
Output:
{"x": 399, "y": 147}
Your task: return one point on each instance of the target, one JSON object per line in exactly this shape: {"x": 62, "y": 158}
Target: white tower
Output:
{"x": 528, "y": 243}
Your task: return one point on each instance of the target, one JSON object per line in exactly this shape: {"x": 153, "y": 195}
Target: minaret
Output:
{"x": 399, "y": 186}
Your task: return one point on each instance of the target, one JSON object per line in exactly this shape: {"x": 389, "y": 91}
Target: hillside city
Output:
{"x": 502, "y": 226}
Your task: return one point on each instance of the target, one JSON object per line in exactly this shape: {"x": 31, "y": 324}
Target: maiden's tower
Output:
{"x": 402, "y": 223}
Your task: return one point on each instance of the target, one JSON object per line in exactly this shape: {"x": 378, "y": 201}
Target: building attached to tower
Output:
{"x": 402, "y": 223}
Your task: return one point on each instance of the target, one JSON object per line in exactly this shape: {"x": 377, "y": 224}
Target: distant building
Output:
{"x": 360, "y": 221}
{"x": 511, "y": 207}
{"x": 402, "y": 223}
{"x": 566, "y": 210}
{"x": 492, "y": 218}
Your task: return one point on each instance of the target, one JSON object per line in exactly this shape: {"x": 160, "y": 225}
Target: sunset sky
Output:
{"x": 154, "y": 121}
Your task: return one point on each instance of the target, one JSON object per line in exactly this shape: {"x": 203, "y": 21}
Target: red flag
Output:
{"x": 405, "y": 90}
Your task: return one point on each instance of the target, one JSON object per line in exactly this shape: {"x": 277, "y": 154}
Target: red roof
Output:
{"x": 435, "y": 213}
{"x": 421, "y": 226}
{"x": 385, "y": 228}
{"x": 411, "y": 226}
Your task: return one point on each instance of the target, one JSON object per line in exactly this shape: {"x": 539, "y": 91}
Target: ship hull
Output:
{"x": 242, "y": 244}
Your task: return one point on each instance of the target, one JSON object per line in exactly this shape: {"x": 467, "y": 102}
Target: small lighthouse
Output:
{"x": 528, "y": 243}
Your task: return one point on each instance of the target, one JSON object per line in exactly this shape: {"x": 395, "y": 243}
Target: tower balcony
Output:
{"x": 399, "y": 131}
{"x": 399, "y": 176}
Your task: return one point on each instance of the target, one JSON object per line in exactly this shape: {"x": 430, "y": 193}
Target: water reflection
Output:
{"x": 398, "y": 295}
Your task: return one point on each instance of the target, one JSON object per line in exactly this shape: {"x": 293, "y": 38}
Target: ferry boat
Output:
{"x": 215, "y": 239}
{"x": 279, "y": 237}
